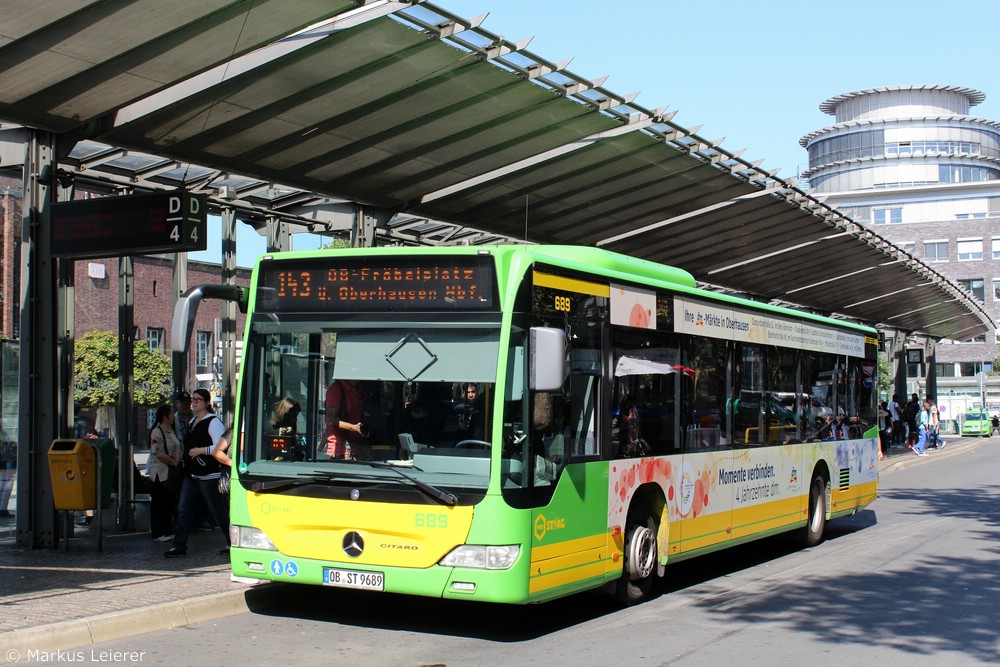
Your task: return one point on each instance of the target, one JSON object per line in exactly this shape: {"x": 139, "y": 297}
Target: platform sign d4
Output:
{"x": 129, "y": 225}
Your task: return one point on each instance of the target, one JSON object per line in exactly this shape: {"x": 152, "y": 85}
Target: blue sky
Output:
{"x": 756, "y": 72}
{"x": 752, "y": 72}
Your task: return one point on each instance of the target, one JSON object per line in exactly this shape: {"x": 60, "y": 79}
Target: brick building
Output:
{"x": 96, "y": 306}
{"x": 96, "y": 294}
{"x": 914, "y": 163}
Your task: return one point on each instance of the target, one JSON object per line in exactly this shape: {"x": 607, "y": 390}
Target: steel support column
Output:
{"x": 366, "y": 220}
{"x": 125, "y": 411}
{"x": 180, "y": 362}
{"x": 899, "y": 356}
{"x": 930, "y": 362}
{"x": 38, "y": 412}
{"x": 278, "y": 238}
{"x": 228, "y": 334}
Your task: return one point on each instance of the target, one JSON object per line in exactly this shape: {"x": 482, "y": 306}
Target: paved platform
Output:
{"x": 60, "y": 599}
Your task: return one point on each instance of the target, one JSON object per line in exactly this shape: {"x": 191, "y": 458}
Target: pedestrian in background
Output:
{"x": 884, "y": 429}
{"x": 165, "y": 474}
{"x": 203, "y": 470}
{"x": 182, "y": 408}
{"x": 911, "y": 414}
{"x": 923, "y": 420}
{"x": 934, "y": 435}
{"x": 896, "y": 414}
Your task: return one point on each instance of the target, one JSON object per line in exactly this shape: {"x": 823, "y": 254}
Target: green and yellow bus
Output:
{"x": 539, "y": 420}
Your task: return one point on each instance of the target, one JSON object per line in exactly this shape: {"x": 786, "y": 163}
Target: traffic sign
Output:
{"x": 130, "y": 225}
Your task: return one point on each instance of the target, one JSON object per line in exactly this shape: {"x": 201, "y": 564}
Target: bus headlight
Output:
{"x": 482, "y": 557}
{"x": 250, "y": 538}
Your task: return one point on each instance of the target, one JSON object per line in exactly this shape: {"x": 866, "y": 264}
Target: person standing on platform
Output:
{"x": 896, "y": 413}
{"x": 923, "y": 427}
{"x": 934, "y": 434}
{"x": 202, "y": 480}
{"x": 182, "y": 408}
{"x": 166, "y": 459}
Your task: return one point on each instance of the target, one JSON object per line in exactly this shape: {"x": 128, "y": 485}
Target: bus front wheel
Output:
{"x": 639, "y": 567}
{"x": 812, "y": 534}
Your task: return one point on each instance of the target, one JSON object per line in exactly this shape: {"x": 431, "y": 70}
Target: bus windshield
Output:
{"x": 340, "y": 402}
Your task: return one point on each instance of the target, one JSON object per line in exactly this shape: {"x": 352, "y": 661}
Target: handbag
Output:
{"x": 224, "y": 478}
{"x": 175, "y": 474}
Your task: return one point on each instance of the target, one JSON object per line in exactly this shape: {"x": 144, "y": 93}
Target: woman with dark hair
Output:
{"x": 166, "y": 455}
{"x": 203, "y": 438}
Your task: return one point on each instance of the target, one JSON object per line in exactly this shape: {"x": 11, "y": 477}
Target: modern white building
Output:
{"x": 913, "y": 161}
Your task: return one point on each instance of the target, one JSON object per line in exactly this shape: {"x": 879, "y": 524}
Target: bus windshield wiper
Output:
{"x": 446, "y": 497}
{"x": 286, "y": 482}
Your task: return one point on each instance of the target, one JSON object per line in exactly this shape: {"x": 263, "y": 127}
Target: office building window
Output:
{"x": 945, "y": 370}
{"x": 155, "y": 338}
{"x": 890, "y": 215}
{"x": 936, "y": 251}
{"x": 953, "y": 173}
{"x": 995, "y": 243}
{"x": 970, "y": 368}
{"x": 975, "y": 285}
{"x": 996, "y": 290}
{"x": 970, "y": 249}
{"x": 202, "y": 347}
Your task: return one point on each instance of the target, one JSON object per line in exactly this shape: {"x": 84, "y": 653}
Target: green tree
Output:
{"x": 95, "y": 371}
{"x": 336, "y": 243}
{"x": 995, "y": 370}
{"x": 884, "y": 377}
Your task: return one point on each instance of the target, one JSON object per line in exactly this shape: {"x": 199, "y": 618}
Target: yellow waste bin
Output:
{"x": 73, "y": 471}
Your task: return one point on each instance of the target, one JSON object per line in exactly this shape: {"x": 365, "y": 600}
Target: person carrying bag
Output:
{"x": 166, "y": 458}
{"x": 204, "y": 438}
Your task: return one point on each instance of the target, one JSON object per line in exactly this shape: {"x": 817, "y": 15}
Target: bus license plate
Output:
{"x": 368, "y": 581}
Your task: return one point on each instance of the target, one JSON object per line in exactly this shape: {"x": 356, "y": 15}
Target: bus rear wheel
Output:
{"x": 640, "y": 555}
{"x": 812, "y": 534}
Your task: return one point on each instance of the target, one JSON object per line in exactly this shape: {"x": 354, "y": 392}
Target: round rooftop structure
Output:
{"x": 902, "y": 136}
{"x": 973, "y": 96}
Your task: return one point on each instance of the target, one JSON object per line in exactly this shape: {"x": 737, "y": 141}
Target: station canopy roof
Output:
{"x": 450, "y": 133}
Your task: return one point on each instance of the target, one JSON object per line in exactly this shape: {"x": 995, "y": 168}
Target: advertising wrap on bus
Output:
{"x": 732, "y": 323}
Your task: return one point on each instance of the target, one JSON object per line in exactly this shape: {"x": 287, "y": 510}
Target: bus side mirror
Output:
{"x": 547, "y": 364}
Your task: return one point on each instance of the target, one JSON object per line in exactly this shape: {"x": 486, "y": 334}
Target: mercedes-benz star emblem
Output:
{"x": 353, "y": 544}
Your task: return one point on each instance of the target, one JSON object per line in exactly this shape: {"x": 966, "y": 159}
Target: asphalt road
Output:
{"x": 913, "y": 581}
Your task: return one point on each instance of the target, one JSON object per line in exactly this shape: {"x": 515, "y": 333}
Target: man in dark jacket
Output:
{"x": 910, "y": 413}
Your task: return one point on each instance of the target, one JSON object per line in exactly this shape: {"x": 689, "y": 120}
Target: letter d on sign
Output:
{"x": 194, "y": 206}
{"x": 174, "y": 204}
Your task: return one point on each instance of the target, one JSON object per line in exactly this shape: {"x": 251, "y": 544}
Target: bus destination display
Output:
{"x": 377, "y": 283}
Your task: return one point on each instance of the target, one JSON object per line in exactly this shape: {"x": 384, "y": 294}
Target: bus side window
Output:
{"x": 549, "y": 433}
